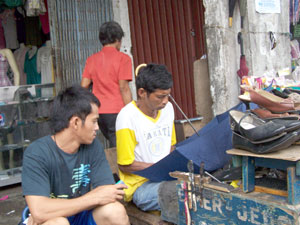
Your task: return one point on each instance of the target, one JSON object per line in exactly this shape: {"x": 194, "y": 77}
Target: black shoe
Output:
{"x": 279, "y": 93}
{"x": 254, "y": 128}
{"x": 234, "y": 173}
{"x": 287, "y": 91}
{"x": 287, "y": 140}
{"x": 290, "y": 125}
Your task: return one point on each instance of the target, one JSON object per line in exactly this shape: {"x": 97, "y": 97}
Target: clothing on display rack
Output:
{"x": 7, "y": 59}
{"x": 20, "y": 54}
{"x": 4, "y": 80}
{"x": 44, "y": 66}
{"x": 10, "y": 28}
{"x": 44, "y": 18}
{"x": 20, "y": 22}
{"x": 35, "y": 7}
{"x": 2, "y": 38}
{"x": 30, "y": 68}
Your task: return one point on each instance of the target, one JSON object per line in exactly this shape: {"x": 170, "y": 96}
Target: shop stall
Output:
{"x": 26, "y": 82}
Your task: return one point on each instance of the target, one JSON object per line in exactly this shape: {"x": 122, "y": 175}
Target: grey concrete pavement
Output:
{"x": 11, "y": 208}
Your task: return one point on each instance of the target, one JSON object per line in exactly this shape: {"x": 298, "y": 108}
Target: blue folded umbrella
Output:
{"x": 209, "y": 147}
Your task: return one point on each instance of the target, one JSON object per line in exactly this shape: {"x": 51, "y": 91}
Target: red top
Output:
{"x": 105, "y": 68}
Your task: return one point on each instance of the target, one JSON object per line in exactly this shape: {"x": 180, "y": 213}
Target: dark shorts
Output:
{"x": 107, "y": 124}
{"x": 83, "y": 218}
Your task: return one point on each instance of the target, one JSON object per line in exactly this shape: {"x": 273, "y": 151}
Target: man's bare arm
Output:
{"x": 85, "y": 82}
{"x": 43, "y": 208}
{"x": 125, "y": 91}
{"x": 135, "y": 166}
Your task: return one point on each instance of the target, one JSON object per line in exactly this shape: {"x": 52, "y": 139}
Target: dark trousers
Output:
{"x": 107, "y": 124}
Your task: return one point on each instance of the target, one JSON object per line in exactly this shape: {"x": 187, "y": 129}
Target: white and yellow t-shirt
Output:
{"x": 143, "y": 139}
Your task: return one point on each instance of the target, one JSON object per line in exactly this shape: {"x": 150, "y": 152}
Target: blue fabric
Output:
{"x": 209, "y": 147}
{"x": 83, "y": 218}
{"x": 146, "y": 196}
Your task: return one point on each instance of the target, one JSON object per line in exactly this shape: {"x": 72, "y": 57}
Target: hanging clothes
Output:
{"x": 4, "y": 80}
{"x": 45, "y": 20}
{"x": 20, "y": 59}
{"x": 13, "y": 3}
{"x": 33, "y": 31}
{"x": 33, "y": 77}
{"x": 35, "y": 7}
{"x": 2, "y": 38}
{"x": 44, "y": 66}
{"x": 20, "y": 21}
{"x": 10, "y": 28}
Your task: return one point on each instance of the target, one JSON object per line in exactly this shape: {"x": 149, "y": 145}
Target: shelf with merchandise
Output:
{"x": 24, "y": 117}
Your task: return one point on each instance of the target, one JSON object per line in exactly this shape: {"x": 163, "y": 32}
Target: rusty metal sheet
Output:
{"x": 165, "y": 31}
{"x": 74, "y": 27}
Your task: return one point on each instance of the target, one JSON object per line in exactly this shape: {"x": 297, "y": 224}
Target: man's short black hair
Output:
{"x": 152, "y": 77}
{"x": 110, "y": 32}
{"x": 73, "y": 101}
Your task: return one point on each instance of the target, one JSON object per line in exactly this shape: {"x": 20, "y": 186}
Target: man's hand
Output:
{"x": 107, "y": 193}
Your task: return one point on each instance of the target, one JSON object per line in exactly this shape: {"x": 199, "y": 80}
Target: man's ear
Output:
{"x": 141, "y": 93}
{"x": 74, "y": 122}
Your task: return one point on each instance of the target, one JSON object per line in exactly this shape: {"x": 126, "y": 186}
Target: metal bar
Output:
{"x": 173, "y": 100}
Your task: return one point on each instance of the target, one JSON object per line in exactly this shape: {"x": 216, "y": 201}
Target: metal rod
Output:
{"x": 216, "y": 179}
{"x": 173, "y": 100}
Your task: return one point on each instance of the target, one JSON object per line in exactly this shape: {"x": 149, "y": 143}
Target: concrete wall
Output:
{"x": 120, "y": 10}
{"x": 223, "y": 50}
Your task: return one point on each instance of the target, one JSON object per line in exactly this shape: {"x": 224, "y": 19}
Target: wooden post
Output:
{"x": 248, "y": 174}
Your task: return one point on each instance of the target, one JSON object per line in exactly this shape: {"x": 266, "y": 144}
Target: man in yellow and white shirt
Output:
{"x": 145, "y": 134}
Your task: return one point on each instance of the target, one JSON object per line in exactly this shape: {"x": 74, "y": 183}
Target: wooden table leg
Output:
{"x": 248, "y": 174}
{"x": 293, "y": 182}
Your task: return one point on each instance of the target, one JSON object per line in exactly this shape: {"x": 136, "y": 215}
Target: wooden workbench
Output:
{"x": 287, "y": 159}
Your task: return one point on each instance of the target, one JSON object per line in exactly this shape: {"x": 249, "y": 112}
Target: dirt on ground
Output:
{"x": 12, "y": 204}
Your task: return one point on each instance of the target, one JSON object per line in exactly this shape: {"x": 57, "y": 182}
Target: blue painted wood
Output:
{"x": 248, "y": 174}
{"x": 274, "y": 163}
{"x": 293, "y": 186}
{"x": 298, "y": 168}
{"x": 239, "y": 208}
{"x": 236, "y": 161}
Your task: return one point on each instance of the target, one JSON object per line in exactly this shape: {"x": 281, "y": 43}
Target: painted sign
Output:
{"x": 229, "y": 208}
{"x": 267, "y": 6}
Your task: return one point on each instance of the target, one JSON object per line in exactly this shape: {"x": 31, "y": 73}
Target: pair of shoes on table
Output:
{"x": 258, "y": 136}
{"x": 268, "y": 115}
{"x": 287, "y": 94}
{"x": 270, "y": 101}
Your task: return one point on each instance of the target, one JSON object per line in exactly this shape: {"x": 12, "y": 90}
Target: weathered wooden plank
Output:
{"x": 138, "y": 217}
{"x": 290, "y": 154}
{"x": 270, "y": 191}
{"x": 236, "y": 160}
{"x": 274, "y": 163}
{"x": 183, "y": 176}
{"x": 240, "y": 208}
{"x": 248, "y": 174}
{"x": 293, "y": 186}
{"x": 298, "y": 168}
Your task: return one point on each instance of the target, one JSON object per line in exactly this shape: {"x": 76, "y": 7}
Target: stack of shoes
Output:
{"x": 262, "y": 136}
{"x": 277, "y": 102}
